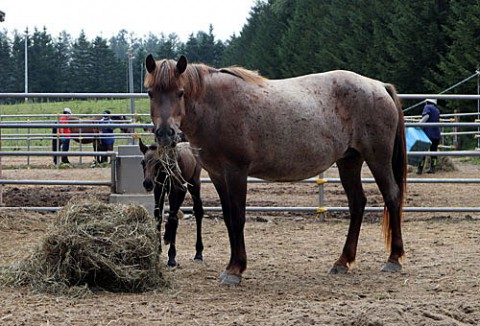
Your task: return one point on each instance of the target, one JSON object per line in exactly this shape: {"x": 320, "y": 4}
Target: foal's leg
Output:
{"x": 391, "y": 194}
{"x": 159, "y": 195}
{"x": 350, "y": 174}
{"x": 175, "y": 199}
{"x": 194, "y": 189}
{"x": 232, "y": 190}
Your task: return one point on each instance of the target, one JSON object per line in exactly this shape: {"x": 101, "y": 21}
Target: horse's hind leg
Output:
{"x": 194, "y": 190}
{"x": 350, "y": 169}
{"x": 175, "y": 199}
{"x": 391, "y": 194}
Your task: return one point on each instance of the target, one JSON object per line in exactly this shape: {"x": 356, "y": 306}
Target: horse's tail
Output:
{"x": 399, "y": 164}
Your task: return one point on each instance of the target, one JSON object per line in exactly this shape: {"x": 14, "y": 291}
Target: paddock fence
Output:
{"x": 320, "y": 181}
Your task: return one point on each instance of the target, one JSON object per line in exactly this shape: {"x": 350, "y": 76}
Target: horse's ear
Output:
{"x": 182, "y": 64}
{"x": 143, "y": 147}
{"x": 150, "y": 63}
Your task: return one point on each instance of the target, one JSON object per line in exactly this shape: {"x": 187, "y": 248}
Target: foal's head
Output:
{"x": 151, "y": 164}
{"x": 166, "y": 89}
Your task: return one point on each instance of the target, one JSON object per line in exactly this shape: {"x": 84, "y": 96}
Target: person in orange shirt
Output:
{"x": 65, "y": 134}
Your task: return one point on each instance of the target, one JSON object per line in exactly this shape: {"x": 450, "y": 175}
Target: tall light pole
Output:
{"x": 141, "y": 76}
{"x": 26, "y": 63}
{"x": 2, "y": 18}
{"x": 130, "y": 87}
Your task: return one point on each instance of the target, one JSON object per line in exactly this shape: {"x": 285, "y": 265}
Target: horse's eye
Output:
{"x": 150, "y": 94}
{"x": 180, "y": 93}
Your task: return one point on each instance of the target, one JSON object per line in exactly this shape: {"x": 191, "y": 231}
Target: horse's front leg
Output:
{"x": 175, "y": 199}
{"x": 232, "y": 190}
{"x": 194, "y": 190}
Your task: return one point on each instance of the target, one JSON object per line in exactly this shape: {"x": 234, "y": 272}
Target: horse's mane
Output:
{"x": 165, "y": 77}
{"x": 247, "y": 75}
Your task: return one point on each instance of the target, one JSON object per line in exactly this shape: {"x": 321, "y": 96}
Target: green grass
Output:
{"x": 471, "y": 160}
{"x": 77, "y": 106}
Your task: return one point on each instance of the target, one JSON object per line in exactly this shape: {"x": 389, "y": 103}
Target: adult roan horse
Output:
{"x": 162, "y": 179}
{"x": 91, "y": 134}
{"x": 284, "y": 130}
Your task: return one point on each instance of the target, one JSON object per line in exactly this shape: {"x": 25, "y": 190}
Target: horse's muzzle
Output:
{"x": 148, "y": 184}
{"x": 166, "y": 137}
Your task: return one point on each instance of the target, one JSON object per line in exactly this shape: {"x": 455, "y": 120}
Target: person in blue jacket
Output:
{"x": 431, "y": 114}
{"x": 107, "y": 139}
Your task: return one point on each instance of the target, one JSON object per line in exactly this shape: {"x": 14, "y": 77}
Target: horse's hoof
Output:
{"x": 198, "y": 258}
{"x": 392, "y": 267}
{"x": 338, "y": 269}
{"x": 229, "y": 279}
{"x": 172, "y": 263}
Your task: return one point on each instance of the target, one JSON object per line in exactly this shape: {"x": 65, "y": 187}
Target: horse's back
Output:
{"x": 319, "y": 118}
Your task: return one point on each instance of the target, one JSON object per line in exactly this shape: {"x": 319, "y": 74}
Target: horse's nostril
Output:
{"x": 164, "y": 132}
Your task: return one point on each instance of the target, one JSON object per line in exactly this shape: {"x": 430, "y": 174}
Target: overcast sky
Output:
{"x": 107, "y": 17}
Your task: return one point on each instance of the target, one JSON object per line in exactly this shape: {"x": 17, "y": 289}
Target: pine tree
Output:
{"x": 82, "y": 66}
{"x": 61, "y": 60}
{"x": 418, "y": 42}
{"x": 462, "y": 59}
{"x": 18, "y": 62}
{"x": 41, "y": 65}
{"x": 108, "y": 75}
{"x": 6, "y": 65}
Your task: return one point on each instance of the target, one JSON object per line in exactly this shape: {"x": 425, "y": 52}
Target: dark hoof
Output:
{"x": 338, "y": 269}
{"x": 229, "y": 279}
{"x": 172, "y": 263}
{"x": 392, "y": 267}
{"x": 198, "y": 258}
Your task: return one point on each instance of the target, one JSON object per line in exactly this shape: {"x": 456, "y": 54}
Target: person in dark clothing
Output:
{"x": 431, "y": 114}
{"x": 107, "y": 139}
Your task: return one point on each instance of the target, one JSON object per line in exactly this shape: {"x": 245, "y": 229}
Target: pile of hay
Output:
{"x": 445, "y": 163}
{"x": 93, "y": 245}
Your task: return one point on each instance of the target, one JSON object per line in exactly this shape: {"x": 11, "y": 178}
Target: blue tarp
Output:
{"x": 417, "y": 141}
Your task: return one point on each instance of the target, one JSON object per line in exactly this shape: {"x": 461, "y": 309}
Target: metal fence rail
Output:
{"x": 320, "y": 181}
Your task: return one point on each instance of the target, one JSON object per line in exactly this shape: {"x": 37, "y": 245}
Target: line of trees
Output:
{"x": 421, "y": 46}
{"x": 64, "y": 64}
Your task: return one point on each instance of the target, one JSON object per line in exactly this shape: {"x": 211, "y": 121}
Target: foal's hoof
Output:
{"x": 229, "y": 279}
{"x": 198, "y": 258}
{"x": 172, "y": 263}
{"x": 338, "y": 269}
{"x": 392, "y": 267}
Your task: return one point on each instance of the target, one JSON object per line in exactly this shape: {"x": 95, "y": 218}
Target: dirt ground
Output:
{"x": 289, "y": 254}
